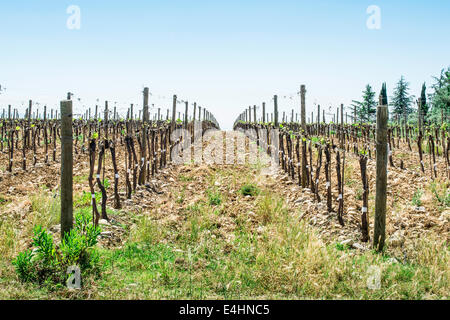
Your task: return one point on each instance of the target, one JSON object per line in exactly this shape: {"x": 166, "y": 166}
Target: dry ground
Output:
{"x": 200, "y": 237}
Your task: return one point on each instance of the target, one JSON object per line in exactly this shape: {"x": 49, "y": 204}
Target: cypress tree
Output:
{"x": 402, "y": 100}
{"x": 366, "y": 109}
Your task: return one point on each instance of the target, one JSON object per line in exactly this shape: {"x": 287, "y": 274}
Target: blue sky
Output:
{"x": 223, "y": 55}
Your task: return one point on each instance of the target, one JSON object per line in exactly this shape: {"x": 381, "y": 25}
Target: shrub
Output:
{"x": 24, "y": 266}
{"x": 214, "y": 198}
{"x": 48, "y": 264}
{"x": 249, "y": 190}
{"x": 416, "y": 198}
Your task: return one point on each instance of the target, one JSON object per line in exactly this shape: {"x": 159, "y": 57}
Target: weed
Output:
{"x": 47, "y": 264}
{"x": 214, "y": 198}
{"x": 249, "y": 190}
{"x": 416, "y": 198}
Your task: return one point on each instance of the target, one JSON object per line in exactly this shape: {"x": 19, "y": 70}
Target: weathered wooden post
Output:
{"x": 254, "y": 113}
{"x": 66, "y": 168}
{"x": 144, "y": 137}
{"x": 302, "y": 108}
{"x": 342, "y": 126}
{"x": 381, "y": 172}
{"x": 318, "y": 115}
{"x": 186, "y": 115}
{"x": 264, "y": 112}
{"x": 105, "y": 124}
{"x": 275, "y": 111}
{"x": 174, "y": 111}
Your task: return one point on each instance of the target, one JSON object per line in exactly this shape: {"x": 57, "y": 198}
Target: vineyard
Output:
{"x": 133, "y": 204}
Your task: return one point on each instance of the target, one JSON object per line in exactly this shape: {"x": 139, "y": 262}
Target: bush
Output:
{"x": 24, "y": 266}
{"x": 48, "y": 264}
{"x": 214, "y": 198}
{"x": 249, "y": 190}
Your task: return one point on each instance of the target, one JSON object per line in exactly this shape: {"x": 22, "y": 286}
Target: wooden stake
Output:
{"x": 66, "y": 168}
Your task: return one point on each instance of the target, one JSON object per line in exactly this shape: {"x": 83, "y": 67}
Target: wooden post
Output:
{"x": 186, "y": 115}
{"x": 302, "y": 109}
{"x": 342, "y": 127}
{"x": 66, "y": 168}
{"x": 254, "y": 113}
{"x": 105, "y": 124}
{"x": 381, "y": 172}
{"x": 264, "y": 112}
{"x": 174, "y": 111}
{"x": 318, "y": 115}
{"x": 144, "y": 137}
{"x": 275, "y": 111}
{"x": 195, "y": 111}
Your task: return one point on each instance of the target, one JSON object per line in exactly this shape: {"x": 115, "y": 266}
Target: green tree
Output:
{"x": 402, "y": 100}
{"x": 367, "y": 108}
{"x": 423, "y": 98}
{"x": 440, "y": 98}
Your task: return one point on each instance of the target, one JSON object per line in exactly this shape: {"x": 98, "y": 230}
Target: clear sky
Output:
{"x": 224, "y": 55}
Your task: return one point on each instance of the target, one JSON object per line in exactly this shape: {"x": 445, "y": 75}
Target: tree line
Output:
{"x": 434, "y": 107}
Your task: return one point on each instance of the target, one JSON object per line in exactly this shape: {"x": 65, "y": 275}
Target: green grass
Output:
{"x": 214, "y": 198}
{"x": 249, "y": 190}
{"x": 271, "y": 255}
{"x": 287, "y": 261}
{"x": 441, "y": 193}
{"x": 184, "y": 178}
{"x": 416, "y": 198}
